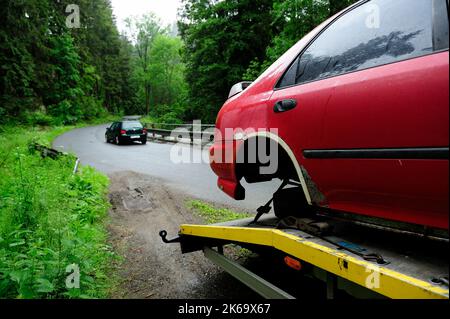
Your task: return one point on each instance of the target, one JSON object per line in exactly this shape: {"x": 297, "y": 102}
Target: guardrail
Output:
{"x": 179, "y": 132}
{"x": 52, "y": 153}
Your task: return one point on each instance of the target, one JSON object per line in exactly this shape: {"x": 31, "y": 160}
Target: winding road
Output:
{"x": 154, "y": 159}
{"x": 147, "y": 193}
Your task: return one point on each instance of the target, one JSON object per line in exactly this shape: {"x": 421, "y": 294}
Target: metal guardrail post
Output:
{"x": 75, "y": 169}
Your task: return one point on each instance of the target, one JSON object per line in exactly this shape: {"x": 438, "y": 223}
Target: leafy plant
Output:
{"x": 49, "y": 219}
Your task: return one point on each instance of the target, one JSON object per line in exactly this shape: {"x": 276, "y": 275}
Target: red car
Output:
{"x": 361, "y": 110}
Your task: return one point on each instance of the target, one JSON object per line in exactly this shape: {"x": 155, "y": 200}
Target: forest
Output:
{"x": 63, "y": 64}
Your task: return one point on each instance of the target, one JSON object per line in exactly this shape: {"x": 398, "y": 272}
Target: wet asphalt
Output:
{"x": 181, "y": 166}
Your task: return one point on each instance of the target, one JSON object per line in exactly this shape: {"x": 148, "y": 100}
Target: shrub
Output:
{"x": 50, "y": 219}
{"x": 37, "y": 118}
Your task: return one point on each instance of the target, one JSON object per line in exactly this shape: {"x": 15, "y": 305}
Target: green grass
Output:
{"x": 213, "y": 214}
{"x": 50, "y": 219}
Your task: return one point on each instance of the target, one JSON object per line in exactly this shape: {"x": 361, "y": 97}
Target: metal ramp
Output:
{"x": 416, "y": 268}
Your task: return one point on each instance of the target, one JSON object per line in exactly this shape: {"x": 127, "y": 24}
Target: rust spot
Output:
{"x": 317, "y": 197}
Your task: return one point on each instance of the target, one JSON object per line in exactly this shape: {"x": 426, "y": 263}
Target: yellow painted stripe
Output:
{"x": 391, "y": 283}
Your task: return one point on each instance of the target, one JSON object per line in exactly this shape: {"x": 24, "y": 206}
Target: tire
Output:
{"x": 106, "y": 139}
{"x": 144, "y": 141}
{"x": 117, "y": 141}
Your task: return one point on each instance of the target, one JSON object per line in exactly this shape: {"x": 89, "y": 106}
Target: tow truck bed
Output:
{"x": 416, "y": 268}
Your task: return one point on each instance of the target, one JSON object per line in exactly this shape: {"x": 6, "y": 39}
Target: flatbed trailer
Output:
{"x": 411, "y": 268}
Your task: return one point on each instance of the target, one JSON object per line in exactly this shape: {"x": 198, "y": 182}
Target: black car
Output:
{"x": 126, "y": 131}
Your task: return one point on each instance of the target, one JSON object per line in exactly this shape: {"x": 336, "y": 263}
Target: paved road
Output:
{"x": 154, "y": 159}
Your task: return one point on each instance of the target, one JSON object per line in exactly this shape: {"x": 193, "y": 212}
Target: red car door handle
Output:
{"x": 284, "y": 105}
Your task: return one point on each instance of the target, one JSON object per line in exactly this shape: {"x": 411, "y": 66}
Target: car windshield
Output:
{"x": 131, "y": 125}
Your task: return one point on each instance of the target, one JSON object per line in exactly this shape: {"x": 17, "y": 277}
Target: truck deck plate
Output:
{"x": 413, "y": 262}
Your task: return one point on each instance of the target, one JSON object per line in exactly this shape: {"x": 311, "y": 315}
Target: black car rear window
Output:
{"x": 131, "y": 125}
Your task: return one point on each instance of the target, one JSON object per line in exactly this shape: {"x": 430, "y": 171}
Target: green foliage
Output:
{"x": 168, "y": 113}
{"x": 230, "y": 41}
{"x": 72, "y": 75}
{"x": 166, "y": 72}
{"x": 37, "y": 118}
{"x": 170, "y": 117}
{"x": 158, "y": 71}
{"x": 213, "y": 214}
{"x": 143, "y": 31}
{"x": 68, "y": 74}
{"x": 50, "y": 219}
{"x": 292, "y": 20}
{"x": 221, "y": 39}
{"x": 101, "y": 47}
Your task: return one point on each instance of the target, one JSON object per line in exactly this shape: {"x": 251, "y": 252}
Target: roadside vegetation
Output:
{"x": 212, "y": 214}
{"x": 50, "y": 219}
{"x": 55, "y": 74}
{"x": 226, "y": 42}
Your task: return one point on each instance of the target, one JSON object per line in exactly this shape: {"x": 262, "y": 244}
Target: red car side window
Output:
{"x": 375, "y": 33}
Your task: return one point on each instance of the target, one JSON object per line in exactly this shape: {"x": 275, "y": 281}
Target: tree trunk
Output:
{"x": 147, "y": 99}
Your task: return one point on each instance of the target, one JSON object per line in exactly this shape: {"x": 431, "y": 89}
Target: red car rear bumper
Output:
{"x": 222, "y": 157}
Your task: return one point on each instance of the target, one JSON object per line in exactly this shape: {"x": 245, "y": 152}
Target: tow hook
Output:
{"x": 163, "y": 235}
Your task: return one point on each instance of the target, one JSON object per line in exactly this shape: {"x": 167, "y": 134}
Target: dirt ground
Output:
{"x": 141, "y": 207}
